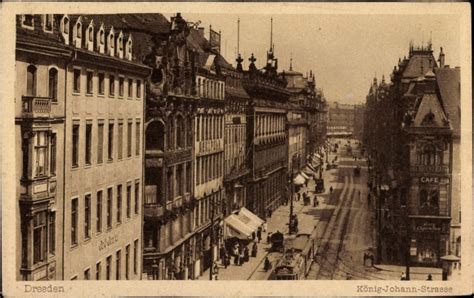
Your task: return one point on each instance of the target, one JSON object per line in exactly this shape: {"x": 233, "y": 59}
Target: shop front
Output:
{"x": 429, "y": 240}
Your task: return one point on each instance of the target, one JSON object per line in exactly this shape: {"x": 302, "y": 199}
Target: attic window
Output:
{"x": 28, "y": 20}
{"x": 111, "y": 41}
{"x": 120, "y": 44}
{"x": 91, "y": 36}
{"x": 102, "y": 36}
{"x": 78, "y": 30}
{"x": 66, "y": 25}
{"x": 48, "y": 22}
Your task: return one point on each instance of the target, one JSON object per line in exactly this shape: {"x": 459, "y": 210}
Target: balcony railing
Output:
{"x": 36, "y": 107}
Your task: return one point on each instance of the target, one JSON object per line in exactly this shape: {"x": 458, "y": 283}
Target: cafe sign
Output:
{"x": 429, "y": 180}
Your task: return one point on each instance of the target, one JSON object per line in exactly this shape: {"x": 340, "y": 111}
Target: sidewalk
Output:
{"x": 393, "y": 272}
{"x": 308, "y": 219}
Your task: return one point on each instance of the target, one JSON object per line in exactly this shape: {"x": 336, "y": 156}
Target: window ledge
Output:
{"x": 100, "y": 95}
{"x": 89, "y": 94}
{"x": 87, "y": 166}
{"x": 76, "y": 93}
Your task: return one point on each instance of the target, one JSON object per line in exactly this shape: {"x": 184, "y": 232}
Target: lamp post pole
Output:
{"x": 211, "y": 270}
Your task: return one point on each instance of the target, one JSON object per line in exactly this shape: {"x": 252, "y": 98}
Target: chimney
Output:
{"x": 201, "y": 31}
{"x": 441, "y": 58}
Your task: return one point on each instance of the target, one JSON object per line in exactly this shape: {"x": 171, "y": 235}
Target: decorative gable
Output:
{"x": 120, "y": 45}
{"x": 429, "y": 112}
{"x": 128, "y": 48}
{"x": 65, "y": 23}
{"x": 100, "y": 39}
{"x": 111, "y": 42}
{"x": 90, "y": 36}
{"x": 77, "y": 33}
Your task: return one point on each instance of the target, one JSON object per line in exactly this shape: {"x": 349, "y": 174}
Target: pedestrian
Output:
{"x": 269, "y": 237}
{"x": 226, "y": 260}
{"x": 315, "y": 201}
{"x": 259, "y": 234}
{"x": 403, "y": 276}
{"x": 253, "y": 236}
{"x": 254, "y": 250}
{"x": 265, "y": 226}
{"x": 359, "y": 195}
{"x": 429, "y": 277}
{"x": 246, "y": 254}
{"x": 330, "y": 189}
{"x": 267, "y": 265}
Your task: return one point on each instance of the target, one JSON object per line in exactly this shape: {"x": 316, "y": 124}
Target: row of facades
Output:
{"x": 412, "y": 134}
{"x": 133, "y": 133}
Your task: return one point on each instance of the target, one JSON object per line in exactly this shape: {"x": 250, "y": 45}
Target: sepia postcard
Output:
{"x": 236, "y": 149}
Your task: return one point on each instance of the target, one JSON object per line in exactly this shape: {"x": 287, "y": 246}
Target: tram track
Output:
{"x": 334, "y": 238}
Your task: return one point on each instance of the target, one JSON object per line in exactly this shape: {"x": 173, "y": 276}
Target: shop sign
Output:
{"x": 429, "y": 180}
{"x": 153, "y": 162}
{"x": 109, "y": 241}
{"x": 428, "y": 227}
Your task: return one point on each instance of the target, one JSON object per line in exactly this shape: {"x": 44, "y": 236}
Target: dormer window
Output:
{"x": 120, "y": 45}
{"x": 78, "y": 34}
{"x": 78, "y": 30}
{"x": 65, "y": 29}
{"x": 48, "y": 23}
{"x": 101, "y": 39}
{"x": 128, "y": 49}
{"x": 110, "y": 43}
{"x": 28, "y": 21}
{"x": 91, "y": 34}
{"x": 90, "y": 37}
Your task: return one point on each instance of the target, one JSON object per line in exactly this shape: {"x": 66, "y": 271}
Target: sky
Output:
{"x": 344, "y": 52}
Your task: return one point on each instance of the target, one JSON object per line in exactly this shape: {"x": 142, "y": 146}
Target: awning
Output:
{"x": 242, "y": 224}
{"x": 307, "y": 170}
{"x": 299, "y": 180}
{"x": 247, "y": 217}
{"x": 235, "y": 228}
{"x": 304, "y": 175}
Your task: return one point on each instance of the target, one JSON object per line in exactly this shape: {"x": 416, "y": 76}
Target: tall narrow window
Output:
{"x": 137, "y": 197}
{"x": 87, "y": 216}
{"x": 121, "y": 86}
{"x": 75, "y": 145}
{"x": 74, "y": 221}
{"x": 41, "y": 153}
{"x": 118, "y": 261}
{"x": 100, "y": 143}
{"x": 188, "y": 177}
{"x": 137, "y": 138}
{"x": 90, "y": 86}
{"x": 31, "y": 80}
{"x": 53, "y": 84}
{"x": 111, "y": 85}
{"x": 88, "y": 143}
{"x": 87, "y": 274}
{"x": 39, "y": 237}
{"x": 98, "y": 222}
{"x": 180, "y": 132}
{"x": 52, "y": 232}
{"x": 135, "y": 257}
{"x": 119, "y": 203}
{"x": 120, "y": 140}
{"x": 77, "y": 81}
{"x": 139, "y": 89}
{"x": 108, "y": 269}
{"x": 130, "y": 88}
{"x": 109, "y": 208}
{"x": 179, "y": 180}
{"x": 129, "y": 139}
{"x": 129, "y": 200}
{"x": 98, "y": 269}
{"x": 127, "y": 262}
{"x": 101, "y": 83}
{"x": 52, "y": 158}
{"x": 110, "y": 151}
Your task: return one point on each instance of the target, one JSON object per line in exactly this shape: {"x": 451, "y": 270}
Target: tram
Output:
{"x": 297, "y": 257}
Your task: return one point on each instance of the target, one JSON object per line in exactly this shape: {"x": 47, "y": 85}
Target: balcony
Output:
{"x": 36, "y": 107}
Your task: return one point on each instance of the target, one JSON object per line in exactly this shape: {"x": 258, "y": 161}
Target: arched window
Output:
{"x": 155, "y": 136}
{"x": 180, "y": 133}
{"x": 66, "y": 25}
{"x": 120, "y": 44}
{"x": 53, "y": 84}
{"x": 31, "y": 81}
{"x": 91, "y": 34}
{"x": 111, "y": 41}
{"x": 78, "y": 30}
{"x": 102, "y": 36}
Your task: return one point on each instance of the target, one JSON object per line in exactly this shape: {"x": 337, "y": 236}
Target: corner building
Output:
{"x": 100, "y": 89}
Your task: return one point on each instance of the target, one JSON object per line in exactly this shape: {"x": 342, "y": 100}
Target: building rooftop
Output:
{"x": 449, "y": 84}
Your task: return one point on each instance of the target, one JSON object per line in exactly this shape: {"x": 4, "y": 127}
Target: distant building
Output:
{"x": 80, "y": 99}
{"x": 345, "y": 120}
